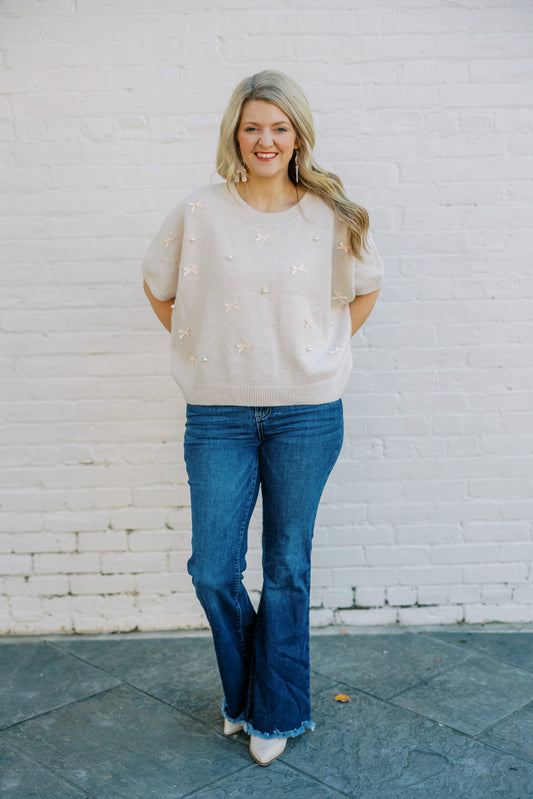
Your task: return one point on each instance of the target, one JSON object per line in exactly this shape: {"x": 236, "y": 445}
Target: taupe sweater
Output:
{"x": 261, "y": 312}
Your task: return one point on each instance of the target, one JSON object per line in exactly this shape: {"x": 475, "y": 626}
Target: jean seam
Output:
{"x": 244, "y": 528}
{"x": 250, "y": 698}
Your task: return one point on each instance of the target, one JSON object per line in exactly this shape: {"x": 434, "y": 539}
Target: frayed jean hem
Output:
{"x": 250, "y": 730}
{"x": 305, "y": 725}
{"x": 239, "y": 720}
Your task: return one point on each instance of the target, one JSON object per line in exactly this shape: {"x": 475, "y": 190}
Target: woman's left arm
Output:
{"x": 361, "y": 308}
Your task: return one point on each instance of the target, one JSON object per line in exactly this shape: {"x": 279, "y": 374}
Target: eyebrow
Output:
{"x": 251, "y": 122}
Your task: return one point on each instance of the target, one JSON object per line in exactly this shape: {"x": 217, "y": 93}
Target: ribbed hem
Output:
{"x": 263, "y": 396}
{"x": 305, "y": 725}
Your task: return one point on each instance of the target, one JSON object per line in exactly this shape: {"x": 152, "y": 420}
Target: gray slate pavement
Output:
{"x": 435, "y": 713}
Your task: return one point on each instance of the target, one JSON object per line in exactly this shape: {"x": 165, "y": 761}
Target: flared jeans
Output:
{"x": 230, "y": 453}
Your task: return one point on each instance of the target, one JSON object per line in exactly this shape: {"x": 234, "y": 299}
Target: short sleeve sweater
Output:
{"x": 261, "y": 313}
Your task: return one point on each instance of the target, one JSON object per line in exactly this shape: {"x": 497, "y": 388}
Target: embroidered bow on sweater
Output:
{"x": 261, "y": 312}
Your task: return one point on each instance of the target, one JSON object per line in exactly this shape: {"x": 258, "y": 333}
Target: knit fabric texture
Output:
{"x": 261, "y": 313}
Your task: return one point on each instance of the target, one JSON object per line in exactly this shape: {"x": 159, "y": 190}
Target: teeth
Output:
{"x": 266, "y": 157}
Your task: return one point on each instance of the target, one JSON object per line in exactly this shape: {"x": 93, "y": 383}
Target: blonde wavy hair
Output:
{"x": 281, "y": 90}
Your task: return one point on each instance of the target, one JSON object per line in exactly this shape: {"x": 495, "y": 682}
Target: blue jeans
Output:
{"x": 231, "y": 451}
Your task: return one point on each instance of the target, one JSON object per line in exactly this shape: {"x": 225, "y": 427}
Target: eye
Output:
{"x": 282, "y": 130}
{"x": 249, "y": 130}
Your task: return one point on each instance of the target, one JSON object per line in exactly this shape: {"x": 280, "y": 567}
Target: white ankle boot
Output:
{"x": 265, "y": 750}
{"x": 230, "y": 727}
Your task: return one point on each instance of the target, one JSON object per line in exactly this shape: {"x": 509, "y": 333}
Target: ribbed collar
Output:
{"x": 265, "y": 219}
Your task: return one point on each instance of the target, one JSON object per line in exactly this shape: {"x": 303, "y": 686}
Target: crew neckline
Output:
{"x": 274, "y": 218}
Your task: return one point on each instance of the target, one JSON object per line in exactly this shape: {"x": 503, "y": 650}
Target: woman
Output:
{"x": 261, "y": 281}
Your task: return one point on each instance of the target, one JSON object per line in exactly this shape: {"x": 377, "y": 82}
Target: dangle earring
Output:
{"x": 296, "y": 164}
{"x": 240, "y": 171}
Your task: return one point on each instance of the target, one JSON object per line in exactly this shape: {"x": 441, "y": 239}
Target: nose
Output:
{"x": 266, "y": 139}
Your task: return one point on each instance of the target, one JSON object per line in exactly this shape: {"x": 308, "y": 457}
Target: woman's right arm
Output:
{"x": 163, "y": 310}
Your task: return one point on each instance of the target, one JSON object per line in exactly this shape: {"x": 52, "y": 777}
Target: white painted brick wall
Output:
{"x": 109, "y": 113}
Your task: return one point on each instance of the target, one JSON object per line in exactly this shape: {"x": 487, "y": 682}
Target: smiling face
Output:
{"x": 266, "y": 138}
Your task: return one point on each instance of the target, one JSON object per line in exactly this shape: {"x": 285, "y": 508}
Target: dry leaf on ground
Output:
{"x": 342, "y": 698}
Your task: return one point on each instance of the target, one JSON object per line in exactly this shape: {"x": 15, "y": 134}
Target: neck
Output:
{"x": 271, "y": 194}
